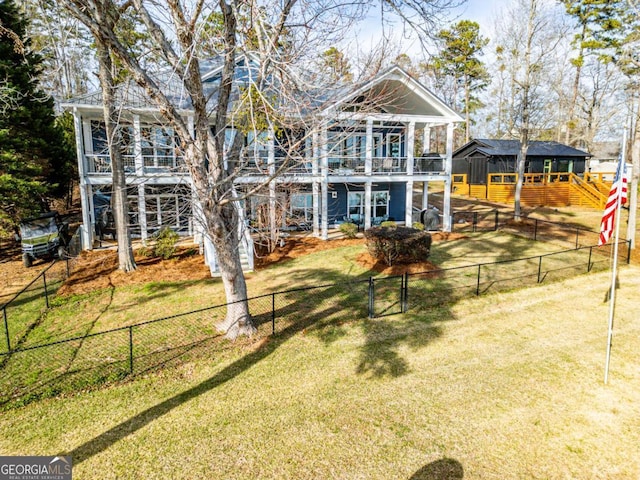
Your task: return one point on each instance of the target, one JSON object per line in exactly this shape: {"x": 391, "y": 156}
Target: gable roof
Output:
{"x": 400, "y": 94}
{"x": 491, "y": 147}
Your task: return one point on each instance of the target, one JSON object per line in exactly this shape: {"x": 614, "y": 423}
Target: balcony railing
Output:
{"x": 290, "y": 165}
{"x": 430, "y": 164}
{"x": 389, "y": 165}
{"x": 101, "y": 164}
{"x": 345, "y": 165}
{"x": 258, "y": 165}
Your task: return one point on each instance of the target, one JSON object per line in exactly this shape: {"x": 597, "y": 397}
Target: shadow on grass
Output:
{"x": 443, "y": 469}
{"x": 328, "y": 312}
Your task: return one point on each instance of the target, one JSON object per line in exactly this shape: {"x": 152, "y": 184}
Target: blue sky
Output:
{"x": 481, "y": 11}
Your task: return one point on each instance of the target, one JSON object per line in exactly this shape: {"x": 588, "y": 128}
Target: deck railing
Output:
{"x": 258, "y": 165}
{"x": 101, "y": 164}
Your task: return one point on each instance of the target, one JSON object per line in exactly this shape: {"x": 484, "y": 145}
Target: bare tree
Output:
{"x": 273, "y": 36}
{"x": 529, "y": 45}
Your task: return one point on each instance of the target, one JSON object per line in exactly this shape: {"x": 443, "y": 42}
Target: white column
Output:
{"x": 315, "y": 153}
{"x": 367, "y": 204}
{"x": 410, "y": 145}
{"x": 425, "y": 195}
{"x": 315, "y": 190}
{"x": 426, "y": 140}
{"x": 408, "y": 203}
{"x": 137, "y": 145}
{"x": 325, "y": 210}
{"x": 446, "y": 221}
{"x": 142, "y": 214}
{"x": 368, "y": 159}
{"x": 87, "y": 228}
{"x": 324, "y": 172}
{"x": 315, "y": 184}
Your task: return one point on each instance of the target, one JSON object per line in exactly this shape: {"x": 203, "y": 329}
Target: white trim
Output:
{"x": 398, "y": 74}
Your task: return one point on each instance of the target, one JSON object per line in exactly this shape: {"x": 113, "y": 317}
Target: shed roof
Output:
{"x": 492, "y": 147}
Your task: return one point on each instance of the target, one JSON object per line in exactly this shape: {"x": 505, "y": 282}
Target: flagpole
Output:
{"x": 614, "y": 270}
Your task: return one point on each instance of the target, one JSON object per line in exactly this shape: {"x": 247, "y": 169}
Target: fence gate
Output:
{"x": 386, "y": 296}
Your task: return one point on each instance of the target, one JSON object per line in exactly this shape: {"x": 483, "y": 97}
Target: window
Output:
{"x": 158, "y": 147}
{"x": 379, "y": 204}
{"x": 394, "y": 145}
{"x": 302, "y": 206}
{"x": 547, "y": 165}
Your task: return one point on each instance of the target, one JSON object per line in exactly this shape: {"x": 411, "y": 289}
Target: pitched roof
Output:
{"x": 131, "y": 95}
{"x": 491, "y": 147}
{"x": 400, "y": 92}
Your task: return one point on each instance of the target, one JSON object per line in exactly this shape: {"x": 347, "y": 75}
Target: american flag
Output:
{"x": 618, "y": 191}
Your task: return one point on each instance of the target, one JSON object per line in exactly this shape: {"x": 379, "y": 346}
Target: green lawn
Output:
{"x": 89, "y": 359}
{"x": 116, "y": 307}
{"x": 501, "y": 386}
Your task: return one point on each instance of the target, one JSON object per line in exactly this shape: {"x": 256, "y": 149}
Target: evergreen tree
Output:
{"x": 35, "y": 161}
{"x": 458, "y": 58}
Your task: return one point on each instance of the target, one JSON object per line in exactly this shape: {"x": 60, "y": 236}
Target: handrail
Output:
{"x": 591, "y": 191}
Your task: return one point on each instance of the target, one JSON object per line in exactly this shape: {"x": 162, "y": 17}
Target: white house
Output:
{"x": 357, "y": 164}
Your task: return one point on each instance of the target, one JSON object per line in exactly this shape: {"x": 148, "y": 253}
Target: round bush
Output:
{"x": 398, "y": 245}
{"x": 349, "y": 229}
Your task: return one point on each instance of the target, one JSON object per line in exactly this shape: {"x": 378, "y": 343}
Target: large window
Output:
{"x": 394, "y": 145}
{"x": 344, "y": 148}
{"x": 159, "y": 147}
{"x": 379, "y": 204}
{"x": 302, "y": 206}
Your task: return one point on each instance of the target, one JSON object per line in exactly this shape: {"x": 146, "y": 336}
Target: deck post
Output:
{"x": 539, "y": 268}
{"x": 371, "y": 298}
{"x": 324, "y": 187}
{"x": 446, "y": 219}
{"x": 6, "y": 327}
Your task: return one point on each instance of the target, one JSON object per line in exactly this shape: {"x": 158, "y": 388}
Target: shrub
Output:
{"x": 398, "y": 245}
{"x": 145, "y": 251}
{"x": 166, "y": 240}
{"x": 389, "y": 224}
{"x": 349, "y": 229}
{"x": 418, "y": 226}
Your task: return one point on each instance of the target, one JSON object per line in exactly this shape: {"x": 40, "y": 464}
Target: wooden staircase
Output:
{"x": 587, "y": 194}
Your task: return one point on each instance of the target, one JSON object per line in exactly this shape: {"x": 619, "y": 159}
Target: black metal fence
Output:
{"x": 44, "y": 370}
{"x": 23, "y": 310}
{"x": 529, "y": 227}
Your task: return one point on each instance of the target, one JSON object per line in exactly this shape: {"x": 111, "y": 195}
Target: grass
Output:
{"x": 90, "y": 360}
{"x": 506, "y": 385}
{"x": 116, "y": 307}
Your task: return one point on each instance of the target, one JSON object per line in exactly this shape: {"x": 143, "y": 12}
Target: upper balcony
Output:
{"x": 101, "y": 164}
{"x": 290, "y": 166}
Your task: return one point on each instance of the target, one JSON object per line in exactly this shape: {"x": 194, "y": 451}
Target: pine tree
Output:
{"x": 34, "y": 156}
{"x": 458, "y": 58}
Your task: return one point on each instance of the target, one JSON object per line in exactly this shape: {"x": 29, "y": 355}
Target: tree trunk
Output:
{"x": 126, "y": 261}
{"x": 467, "y": 96}
{"x": 521, "y": 160}
{"x": 576, "y": 84}
{"x": 224, "y": 235}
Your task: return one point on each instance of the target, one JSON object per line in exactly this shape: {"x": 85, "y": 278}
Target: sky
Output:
{"x": 369, "y": 32}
